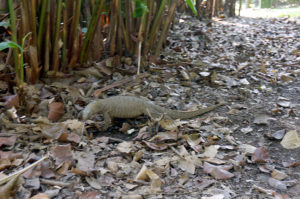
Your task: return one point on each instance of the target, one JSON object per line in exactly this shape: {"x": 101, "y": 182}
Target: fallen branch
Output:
{"x": 14, "y": 175}
{"x": 119, "y": 83}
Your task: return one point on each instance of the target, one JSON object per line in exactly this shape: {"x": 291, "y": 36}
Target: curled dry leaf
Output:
{"x": 156, "y": 146}
{"x": 169, "y": 124}
{"x": 165, "y": 136}
{"x": 260, "y": 155}
{"x": 218, "y": 172}
{"x": 69, "y": 137}
{"x": 145, "y": 174}
{"x": 194, "y": 140}
{"x": 56, "y": 110}
{"x": 290, "y": 140}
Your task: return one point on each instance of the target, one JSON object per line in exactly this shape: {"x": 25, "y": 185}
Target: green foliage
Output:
{"x": 191, "y": 4}
{"x": 9, "y": 44}
{"x": 140, "y": 8}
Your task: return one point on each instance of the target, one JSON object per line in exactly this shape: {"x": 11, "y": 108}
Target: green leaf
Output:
{"x": 140, "y": 8}
{"x": 4, "y": 45}
{"x": 192, "y": 6}
{"x": 9, "y": 44}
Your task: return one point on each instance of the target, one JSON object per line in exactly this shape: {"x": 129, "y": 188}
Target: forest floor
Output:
{"x": 248, "y": 148}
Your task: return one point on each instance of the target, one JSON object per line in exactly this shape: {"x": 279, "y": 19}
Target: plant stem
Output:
{"x": 14, "y": 39}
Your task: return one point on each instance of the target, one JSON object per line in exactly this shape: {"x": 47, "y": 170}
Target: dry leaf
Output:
{"x": 194, "y": 140}
{"x": 278, "y": 175}
{"x": 90, "y": 195}
{"x": 218, "y": 172}
{"x": 125, "y": 147}
{"x": 260, "y": 155}
{"x": 156, "y": 146}
{"x": 40, "y": 196}
{"x": 11, "y": 101}
{"x": 56, "y": 110}
{"x": 8, "y": 141}
{"x": 290, "y": 140}
{"x": 62, "y": 153}
{"x": 211, "y": 151}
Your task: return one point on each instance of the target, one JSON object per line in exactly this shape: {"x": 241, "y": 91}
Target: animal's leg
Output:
{"x": 107, "y": 120}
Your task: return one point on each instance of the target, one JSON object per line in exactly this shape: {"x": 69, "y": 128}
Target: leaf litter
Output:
{"x": 248, "y": 148}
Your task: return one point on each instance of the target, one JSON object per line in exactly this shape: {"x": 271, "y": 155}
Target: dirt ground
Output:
{"x": 248, "y": 148}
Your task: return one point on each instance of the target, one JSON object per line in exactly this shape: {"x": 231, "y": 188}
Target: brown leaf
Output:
{"x": 260, "y": 155}
{"x": 125, "y": 127}
{"x": 193, "y": 140}
{"x": 165, "y": 136}
{"x": 9, "y": 155}
{"x": 291, "y": 164}
{"x": 218, "y": 172}
{"x": 90, "y": 195}
{"x": 125, "y": 147}
{"x": 156, "y": 146}
{"x": 82, "y": 159}
{"x": 33, "y": 173}
{"x": 8, "y": 141}
{"x": 56, "y": 110}
{"x": 47, "y": 171}
{"x": 53, "y": 131}
{"x": 4, "y": 163}
{"x": 62, "y": 153}
{"x": 69, "y": 137}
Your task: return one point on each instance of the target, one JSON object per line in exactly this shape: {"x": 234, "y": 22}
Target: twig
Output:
{"x": 139, "y": 58}
{"x": 56, "y": 183}
{"x": 8, "y": 178}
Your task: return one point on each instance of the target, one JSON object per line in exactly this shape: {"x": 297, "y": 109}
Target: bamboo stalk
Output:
{"x": 55, "y": 58}
{"x": 155, "y": 26}
{"x": 165, "y": 28}
{"x": 47, "y": 39}
{"x": 91, "y": 29}
{"x": 64, "y": 38}
{"x": 42, "y": 26}
{"x": 14, "y": 39}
